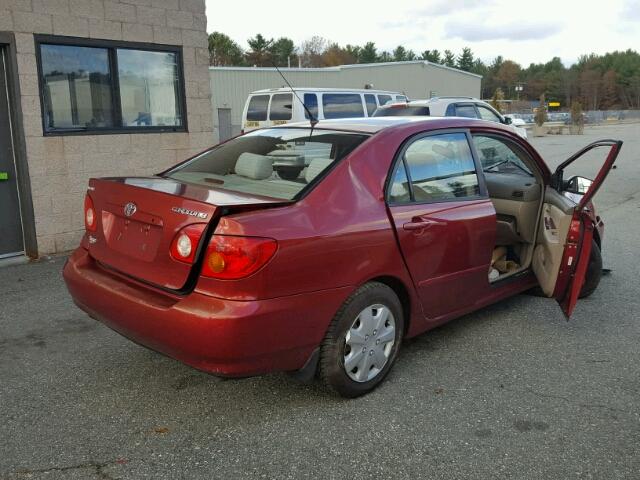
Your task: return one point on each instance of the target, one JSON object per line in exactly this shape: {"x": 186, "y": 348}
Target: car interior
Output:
{"x": 523, "y": 207}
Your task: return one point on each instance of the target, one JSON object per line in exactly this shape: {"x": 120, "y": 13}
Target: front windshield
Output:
{"x": 278, "y": 162}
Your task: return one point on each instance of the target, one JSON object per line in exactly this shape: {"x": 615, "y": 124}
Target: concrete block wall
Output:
{"x": 60, "y": 166}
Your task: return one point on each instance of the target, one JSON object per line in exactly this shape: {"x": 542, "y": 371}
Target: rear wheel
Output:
{"x": 362, "y": 341}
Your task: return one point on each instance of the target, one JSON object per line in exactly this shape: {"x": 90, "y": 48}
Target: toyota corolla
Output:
{"x": 319, "y": 250}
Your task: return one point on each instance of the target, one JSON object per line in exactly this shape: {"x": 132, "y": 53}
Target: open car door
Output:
{"x": 565, "y": 237}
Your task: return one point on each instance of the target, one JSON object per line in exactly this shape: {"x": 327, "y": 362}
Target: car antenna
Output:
{"x": 312, "y": 119}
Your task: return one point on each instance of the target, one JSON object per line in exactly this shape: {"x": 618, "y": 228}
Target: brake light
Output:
{"x": 185, "y": 243}
{"x": 230, "y": 257}
{"x": 90, "y": 217}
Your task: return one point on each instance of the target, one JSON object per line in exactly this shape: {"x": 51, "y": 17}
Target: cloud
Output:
{"x": 518, "y": 31}
{"x": 441, "y": 8}
{"x": 630, "y": 11}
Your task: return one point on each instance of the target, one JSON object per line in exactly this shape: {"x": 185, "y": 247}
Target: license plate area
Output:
{"x": 135, "y": 238}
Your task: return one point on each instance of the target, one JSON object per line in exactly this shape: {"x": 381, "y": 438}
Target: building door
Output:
{"x": 224, "y": 124}
{"x": 11, "y": 237}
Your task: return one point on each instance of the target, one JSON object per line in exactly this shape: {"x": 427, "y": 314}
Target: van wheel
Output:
{"x": 594, "y": 271}
{"x": 362, "y": 341}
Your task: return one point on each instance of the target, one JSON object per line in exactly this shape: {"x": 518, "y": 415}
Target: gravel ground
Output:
{"x": 512, "y": 391}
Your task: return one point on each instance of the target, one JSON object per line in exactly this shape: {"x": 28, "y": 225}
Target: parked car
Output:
{"x": 391, "y": 230}
{"x": 449, "y": 107}
{"x": 278, "y": 106}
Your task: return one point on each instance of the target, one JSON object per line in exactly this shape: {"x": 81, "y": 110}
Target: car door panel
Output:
{"x": 574, "y": 228}
{"x": 449, "y": 254}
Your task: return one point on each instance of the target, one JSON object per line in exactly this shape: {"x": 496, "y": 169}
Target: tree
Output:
{"x": 311, "y": 51}
{"x": 465, "y": 60}
{"x": 368, "y": 53}
{"x": 508, "y": 74}
{"x": 541, "y": 112}
{"x": 336, "y": 55}
{"x": 399, "y": 54}
{"x": 498, "y": 96}
{"x": 223, "y": 51}
{"x": 609, "y": 90}
{"x": 385, "y": 57}
{"x": 431, "y": 56}
{"x": 260, "y": 54}
{"x": 283, "y": 52}
{"x": 449, "y": 59}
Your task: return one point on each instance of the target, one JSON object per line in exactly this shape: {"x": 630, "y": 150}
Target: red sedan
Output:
{"x": 318, "y": 250}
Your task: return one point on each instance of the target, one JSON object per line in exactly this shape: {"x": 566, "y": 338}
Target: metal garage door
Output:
{"x": 224, "y": 123}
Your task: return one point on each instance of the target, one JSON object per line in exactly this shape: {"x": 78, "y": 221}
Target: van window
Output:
{"x": 384, "y": 99}
{"x": 342, "y": 105}
{"x": 257, "y": 110}
{"x": 401, "y": 98}
{"x": 281, "y": 105}
{"x": 370, "y": 101}
{"x": 311, "y": 101}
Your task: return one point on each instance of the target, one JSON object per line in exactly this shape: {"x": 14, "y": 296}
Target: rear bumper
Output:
{"x": 229, "y": 338}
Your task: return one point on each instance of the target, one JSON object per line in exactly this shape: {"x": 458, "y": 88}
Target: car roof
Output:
{"x": 323, "y": 89}
{"x": 377, "y": 124}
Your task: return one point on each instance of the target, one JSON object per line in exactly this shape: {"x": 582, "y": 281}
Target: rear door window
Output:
{"x": 342, "y": 105}
{"x": 439, "y": 168}
{"x": 257, "y": 110}
{"x": 281, "y": 106}
{"x": 370, "y": 101}
{"x": 311, "y": 102}
{"x": 384, "y": 99}
{"x": 468, "y": 111}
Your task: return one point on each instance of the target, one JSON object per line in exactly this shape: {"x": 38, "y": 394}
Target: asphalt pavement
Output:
{"x": 511, "y": 391}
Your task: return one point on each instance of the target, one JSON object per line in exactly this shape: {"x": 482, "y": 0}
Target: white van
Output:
{"x": 277, "y": 106}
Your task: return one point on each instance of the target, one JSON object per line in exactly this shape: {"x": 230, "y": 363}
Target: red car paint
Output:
{"x": 333, "y": 240}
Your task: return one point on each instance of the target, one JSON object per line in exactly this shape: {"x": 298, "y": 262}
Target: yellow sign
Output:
{"x": 554, "y": 104}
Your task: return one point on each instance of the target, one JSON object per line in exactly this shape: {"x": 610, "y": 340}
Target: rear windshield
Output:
{"x": 278, "y": 162}
{"x": 257, "y": 110}
{"x": 401, "y": 112}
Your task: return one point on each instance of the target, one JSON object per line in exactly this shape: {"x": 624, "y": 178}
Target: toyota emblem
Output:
{"x": 129, "y": 209}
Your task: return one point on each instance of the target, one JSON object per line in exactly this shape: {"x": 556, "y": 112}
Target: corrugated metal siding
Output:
{"x": 230, "y": 87}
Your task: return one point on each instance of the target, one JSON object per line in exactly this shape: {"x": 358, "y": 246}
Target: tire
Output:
{"x": 594, "y": 272}
{"x": 358, "y": 325}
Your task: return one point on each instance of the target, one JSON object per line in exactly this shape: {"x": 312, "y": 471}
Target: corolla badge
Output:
{"x": 130, "y": 208}
{"x": 192, "y": 213}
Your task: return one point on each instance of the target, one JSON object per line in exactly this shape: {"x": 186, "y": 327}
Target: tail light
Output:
{"x": 230, "y": 257}
{"x": 185, "y": 243}
{"x": 90, "y": 217}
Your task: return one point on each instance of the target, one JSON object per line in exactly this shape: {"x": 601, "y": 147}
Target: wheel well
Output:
{"x": 401, "y": 291}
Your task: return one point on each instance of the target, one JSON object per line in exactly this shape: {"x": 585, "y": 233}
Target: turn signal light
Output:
{"x": 185, "y": 243}
{"x": 230, "y": 257}
{"x": 90, "y": 217}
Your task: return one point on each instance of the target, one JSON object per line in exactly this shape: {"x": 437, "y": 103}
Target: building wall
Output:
{"x": 60, "y": 166}
{"x": 231, "y": 86}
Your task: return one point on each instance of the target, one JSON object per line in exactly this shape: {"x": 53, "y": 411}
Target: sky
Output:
{"x": 525, "y": 31}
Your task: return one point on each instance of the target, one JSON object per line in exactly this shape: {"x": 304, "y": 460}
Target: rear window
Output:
{"x": 257, "y": 110}
{"x": 370, "y": 102}
{"x": 342, "y": 105}
{"x": 402, "y": 111}
{"x": 281, "y": 105}
{"x": 277, "y": 163}
{"x": 311, "y": 101}
{"x": 384, "y": 99}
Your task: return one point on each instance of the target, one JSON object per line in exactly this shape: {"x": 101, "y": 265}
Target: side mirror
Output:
{"x": 578, "y": 185}
{"x": 507, "y": 120}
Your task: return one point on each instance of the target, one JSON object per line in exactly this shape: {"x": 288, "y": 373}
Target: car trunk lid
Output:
{"x": 138, "y": 218}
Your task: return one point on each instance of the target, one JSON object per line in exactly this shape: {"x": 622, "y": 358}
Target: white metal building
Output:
{"x": 230, "y": 86}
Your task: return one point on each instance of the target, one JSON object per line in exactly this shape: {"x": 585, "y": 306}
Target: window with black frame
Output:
{"x": 111, "y": 87}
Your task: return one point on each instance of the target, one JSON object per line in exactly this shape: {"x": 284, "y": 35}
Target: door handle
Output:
{"x": 421, "y": 224}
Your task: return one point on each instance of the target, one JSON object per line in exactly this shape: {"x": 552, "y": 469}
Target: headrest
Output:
{"x": 316, "y": 166}
{"x": 251, "y": 165}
